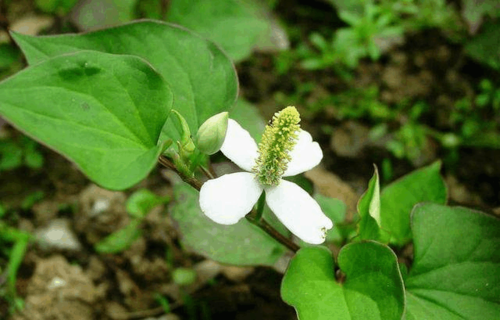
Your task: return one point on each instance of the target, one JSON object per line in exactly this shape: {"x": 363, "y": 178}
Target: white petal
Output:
{"x": 239, "y": 146}
{"x": 229, "y": 198}
{"x": 298, "y": 211}
{"x": 305, "y": 155}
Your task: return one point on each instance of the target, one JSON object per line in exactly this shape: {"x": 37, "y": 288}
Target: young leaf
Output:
{"x": 104, "y": 112}
{"x": 202, "y": 78}
{"x": 373, "y": 287}
{"x": 456, "y": 268}
{"x": 398, "y": 199}
{"x": 369, "y": 210}
{"x": 239, "y": 244}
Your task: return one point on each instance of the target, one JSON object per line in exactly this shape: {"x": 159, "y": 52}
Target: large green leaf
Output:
{"x": 239, "y": 244}
{"x": 373, "y": 287}
{"x": 234, "y": 24}
{"x": 398, "y": 199}
{"x": 456, "y": 269}
{"x": 104, "y": 112}
{"x": 202, "y": 78}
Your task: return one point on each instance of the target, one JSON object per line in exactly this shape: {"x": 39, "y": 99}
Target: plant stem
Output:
{"x": 207, "y": 173}
{"x": 254, "y": 217}
{"x": 269, "y": 229}
{"x": 195, "y": 183}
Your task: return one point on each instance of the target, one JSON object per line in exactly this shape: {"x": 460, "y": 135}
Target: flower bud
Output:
{"x": 186, "y": 143}
{"x": 212, "y": 133}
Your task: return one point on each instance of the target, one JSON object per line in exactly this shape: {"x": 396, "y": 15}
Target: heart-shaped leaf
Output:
{"x": 456, "y": 268}
{"x": 105, "y": 112}
{"x": 373, "y": 287}
{"x": 202, "y": 78}
{"x": 398, "y": 198}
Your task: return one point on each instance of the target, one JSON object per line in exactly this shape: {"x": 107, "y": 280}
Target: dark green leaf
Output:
{"x": 456, "y": 268}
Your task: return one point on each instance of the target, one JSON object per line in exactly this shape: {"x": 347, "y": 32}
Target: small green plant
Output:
{"x": 138, "y": 206}
{"x": 477, "y": 119}
{"x": 13, "y": 245}
{"x": 357, "y": 41}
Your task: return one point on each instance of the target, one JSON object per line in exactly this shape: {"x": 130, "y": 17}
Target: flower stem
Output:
{"x": 193, "y": 182}
{"x": 269, "y": 229}
{"x": 254, "y": 216}
{"x": 207, "y": 173}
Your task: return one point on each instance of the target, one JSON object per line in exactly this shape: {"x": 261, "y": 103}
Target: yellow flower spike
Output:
{"x": 277, "y": 142}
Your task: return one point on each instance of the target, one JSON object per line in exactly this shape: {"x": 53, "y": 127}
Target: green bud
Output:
{"x": 212, "y": 133}
{"x": 183, "y": 128}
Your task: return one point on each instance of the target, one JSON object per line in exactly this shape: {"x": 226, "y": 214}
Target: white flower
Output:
{"x": 229, "y": 198}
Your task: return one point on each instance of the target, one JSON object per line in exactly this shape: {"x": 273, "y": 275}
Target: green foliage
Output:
{"x": 31, "y": 199}
{"x": 13, "y": 246}
{"x": 239, "y": 244}
{"x": 373, "y": 27}
{"x": 15, "y": 153}
{"x": 373, "y": 287}
{"x": 355, "y": 42}
{"x": 128, "y": 140}
{"x": 456, "y": 268}
{"x": 68, "y": 93}
{"x": 398, "y": 199}
{"x": 138, "y": 206}
{"x": 190, "y": 69}
{"x": 477, "y": 120}
{"x": 120, "y": 240}
{"x": 141, "y": 202}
